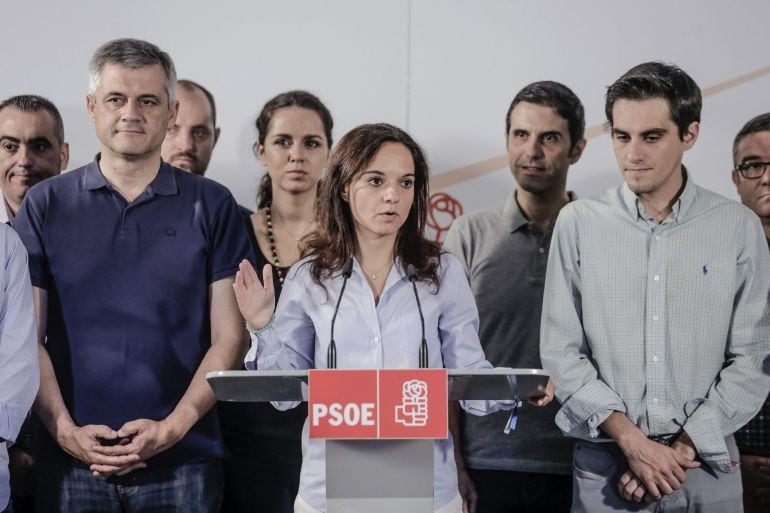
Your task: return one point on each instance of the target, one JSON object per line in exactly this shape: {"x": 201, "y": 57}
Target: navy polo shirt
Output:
{"x": 128, "y": 293}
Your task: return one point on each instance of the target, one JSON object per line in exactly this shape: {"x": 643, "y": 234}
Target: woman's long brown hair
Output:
{"x": 334, "y": 240}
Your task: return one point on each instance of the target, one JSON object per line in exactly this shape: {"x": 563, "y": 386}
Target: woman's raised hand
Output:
{"x": 255, "y": 301}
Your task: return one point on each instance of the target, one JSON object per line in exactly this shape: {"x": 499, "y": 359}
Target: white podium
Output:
{"x": 378, "y": 476}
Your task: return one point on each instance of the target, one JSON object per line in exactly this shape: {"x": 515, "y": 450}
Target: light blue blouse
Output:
{"x": 369, "y": 336}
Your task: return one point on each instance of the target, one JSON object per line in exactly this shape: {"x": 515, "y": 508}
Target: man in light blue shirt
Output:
{"x": 32, "y": 149}
{"x": 655, "y": 319}
{"x": 19, "y": 371}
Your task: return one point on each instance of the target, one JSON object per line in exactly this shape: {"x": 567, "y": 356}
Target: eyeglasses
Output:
{"x": 752, "y": 170}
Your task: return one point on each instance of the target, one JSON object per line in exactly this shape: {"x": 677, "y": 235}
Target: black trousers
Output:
{"x": 503, "y": 491}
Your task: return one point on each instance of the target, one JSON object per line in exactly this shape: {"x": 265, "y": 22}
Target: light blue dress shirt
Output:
{"x": 368, "y": 336}
{"x": 19, "y": 370}
{"x": 666, "y": 322}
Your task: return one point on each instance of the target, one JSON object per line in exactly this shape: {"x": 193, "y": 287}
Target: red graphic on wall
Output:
{"x": 443, "y": 209}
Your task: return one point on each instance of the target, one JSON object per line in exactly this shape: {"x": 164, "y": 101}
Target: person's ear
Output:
{"x": 577, "y": 151}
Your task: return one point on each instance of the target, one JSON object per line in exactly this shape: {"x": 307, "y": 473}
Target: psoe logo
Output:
{"x": 413, "y": 410}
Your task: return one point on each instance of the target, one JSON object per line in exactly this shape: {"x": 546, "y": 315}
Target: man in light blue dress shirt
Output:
{"x": 19, "y": 371}
{"x": 655, "y": 317}
{"x": 32, "y": 149}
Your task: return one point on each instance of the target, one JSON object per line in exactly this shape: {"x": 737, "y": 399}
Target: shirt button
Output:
{"x": 657, "y": 237}
{"x": 656, "y": 277}
{"x": 376, "y": 339}
{"x": 541, "y": 250}
{"x": 654, "y": 317}
{"x": 655, "y": 400}
{"x": 654, "y": 358}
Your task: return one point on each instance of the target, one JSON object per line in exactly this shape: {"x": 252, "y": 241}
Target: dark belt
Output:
{"x": 666, "y": 440}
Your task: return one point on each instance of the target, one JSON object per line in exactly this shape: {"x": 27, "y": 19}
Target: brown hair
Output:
{"x": 301, "y": 99}
{"x": 652, "y": 80}
{"x": 334, "y": 240}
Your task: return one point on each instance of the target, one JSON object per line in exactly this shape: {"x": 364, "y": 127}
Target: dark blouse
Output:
{"x": 257, "y": 430}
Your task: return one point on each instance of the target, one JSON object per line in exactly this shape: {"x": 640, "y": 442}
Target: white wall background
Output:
{"x": 446, "y": 70}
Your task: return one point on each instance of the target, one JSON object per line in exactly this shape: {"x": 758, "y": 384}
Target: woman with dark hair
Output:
{"x": 294, "y": 136}
{"x": 372, "y": 207}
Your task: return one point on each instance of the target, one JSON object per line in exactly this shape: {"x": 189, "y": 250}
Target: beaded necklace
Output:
{"x": 273, "y": 247}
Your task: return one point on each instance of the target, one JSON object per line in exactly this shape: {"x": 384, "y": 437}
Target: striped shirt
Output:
{"x": 665, "y": 322}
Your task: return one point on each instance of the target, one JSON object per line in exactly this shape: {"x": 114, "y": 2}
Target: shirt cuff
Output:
{"x": 264, "y": 351}
{"x": 12, "y": 416}
{"x": 480, "y": 407}
{"x": 582, "y": 414}
{"x": 704, "y": 431}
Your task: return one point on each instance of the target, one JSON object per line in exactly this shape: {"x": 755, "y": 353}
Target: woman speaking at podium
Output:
{"x": 359, "y": 266}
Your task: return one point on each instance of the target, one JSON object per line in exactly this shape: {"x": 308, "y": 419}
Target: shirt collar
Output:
{"x": 394, "y": 275}
{"x": 513, "y": 214}
{"x": 357, "y": 269}
{"x": 93, "y": 177}
{"x": 686, "y": 199}
{"x": 164, "y": 183}
{"x": 515, "y": 217}
{"x": 6, "y": 215}
{"x": 678, "y": 210}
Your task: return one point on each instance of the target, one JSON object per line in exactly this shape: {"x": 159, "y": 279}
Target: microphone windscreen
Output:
{"x": 411, "y": 272}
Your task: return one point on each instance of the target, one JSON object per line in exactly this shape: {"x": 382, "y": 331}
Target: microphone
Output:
{"x": 331, "y": 353}
{"x": 411, "y": 272}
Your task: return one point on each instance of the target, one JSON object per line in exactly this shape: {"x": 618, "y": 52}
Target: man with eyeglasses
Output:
{"x": 751, "y": 176}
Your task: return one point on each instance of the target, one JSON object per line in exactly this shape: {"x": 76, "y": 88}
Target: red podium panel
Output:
{"x": 413, "y": 403}
{"x": 378, "y": 404}
{"x": 342, "y": 404}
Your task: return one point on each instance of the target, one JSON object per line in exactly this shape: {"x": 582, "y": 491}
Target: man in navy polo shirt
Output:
{"x": 132, "y": 264}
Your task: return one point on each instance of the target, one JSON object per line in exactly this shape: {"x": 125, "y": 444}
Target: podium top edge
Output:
{"x": 497, "y": 371}
{"x": 231, "y": 373}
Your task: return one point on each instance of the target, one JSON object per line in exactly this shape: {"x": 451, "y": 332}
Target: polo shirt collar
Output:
{"x": 164, "y": 183}
{"x": 513, "y": 214}
{"x": 515, "y": 217}
{"x": 678, "y": 210}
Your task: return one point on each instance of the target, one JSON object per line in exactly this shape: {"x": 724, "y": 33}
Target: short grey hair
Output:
{"x": 757, "y": 124}
{"x": 132, "y": 54}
